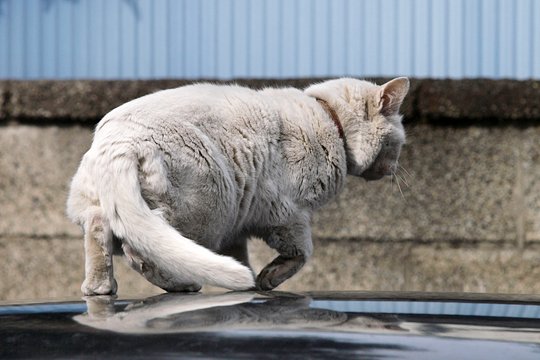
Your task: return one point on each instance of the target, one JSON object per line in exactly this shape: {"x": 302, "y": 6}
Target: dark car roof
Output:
{"x": 250, "y": 325}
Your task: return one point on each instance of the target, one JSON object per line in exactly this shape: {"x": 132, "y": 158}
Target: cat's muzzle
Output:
{"x": 377, "y": 172}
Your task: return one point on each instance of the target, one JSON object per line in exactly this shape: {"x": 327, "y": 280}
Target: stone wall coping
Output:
{"x": 447, "y": 102}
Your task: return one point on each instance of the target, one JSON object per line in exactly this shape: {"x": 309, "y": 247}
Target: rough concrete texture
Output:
{"x": 3, "y": 100}
{"x": 479, "y": 99}
{"x": 47, "y": 268}
{"x": 82, "y": 100}
{"x": 463, "y": 184}
{"x": 89, "y": 100}
{"x": 36, "y": 165}
{"x": 53, "y": 268}
{"x": 409, "y": 266}
{"x": 529, "y": 219}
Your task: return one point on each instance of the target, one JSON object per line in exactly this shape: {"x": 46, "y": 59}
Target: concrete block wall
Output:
{"x": 468, "y": 218}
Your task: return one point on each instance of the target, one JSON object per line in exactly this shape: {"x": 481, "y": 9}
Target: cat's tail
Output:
{"x": 159, "y": 252}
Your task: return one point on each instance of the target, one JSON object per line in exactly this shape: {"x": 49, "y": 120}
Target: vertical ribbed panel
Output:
{"x": 269, "y": 38}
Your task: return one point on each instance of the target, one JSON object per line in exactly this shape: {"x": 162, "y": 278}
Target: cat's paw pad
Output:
{"x": 278, "y": 271}
{"x": 264, "y": 280}
{"x": 184, "y": 288}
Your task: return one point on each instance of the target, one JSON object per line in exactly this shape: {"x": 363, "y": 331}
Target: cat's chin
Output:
{"x": 371, "y": 176}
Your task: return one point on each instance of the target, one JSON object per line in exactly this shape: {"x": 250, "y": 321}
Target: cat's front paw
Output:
{"x": 278, "y": 271}
{"x": 104, "y": 287}
{"x": 264, "y": 281}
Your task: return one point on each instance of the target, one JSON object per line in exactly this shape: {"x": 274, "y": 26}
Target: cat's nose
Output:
{"x": 389, "y": 169}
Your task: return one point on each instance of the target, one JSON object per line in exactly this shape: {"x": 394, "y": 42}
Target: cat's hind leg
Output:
{"x": 294, "y": 245}
{"x": 98, "y": 247}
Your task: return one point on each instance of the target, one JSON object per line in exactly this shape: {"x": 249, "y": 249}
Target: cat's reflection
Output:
{"x": 205, "y": 312}
{"x": 236, "y": 311}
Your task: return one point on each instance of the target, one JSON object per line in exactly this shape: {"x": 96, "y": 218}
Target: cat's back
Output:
{"x": 186, "y": 103}
{"x": 220, "y": 115}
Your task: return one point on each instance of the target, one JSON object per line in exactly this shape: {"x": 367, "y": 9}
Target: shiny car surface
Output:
{"x": 276, "y": 325}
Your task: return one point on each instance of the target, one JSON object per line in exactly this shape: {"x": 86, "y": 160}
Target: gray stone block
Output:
{"x": 491, "y": 101}
{"x": 479, "y": 99}
{"x": 37, "y": 164}
{"x": 3, "y": 101}
{"x": 80, "y": 100}
{"x": 462, "y": 187}
{"x": 530, "y": 176}
{"x": 49, "y": 268}
{"x": 409, "y": 266}
{"x": 34, "y": 269}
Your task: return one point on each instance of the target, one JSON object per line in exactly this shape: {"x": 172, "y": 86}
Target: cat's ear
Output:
{"x": 391, "y": 95}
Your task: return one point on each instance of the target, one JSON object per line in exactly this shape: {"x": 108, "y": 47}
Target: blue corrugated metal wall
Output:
{"x": 451, "y": 308}
{"x": 269, "y": 38}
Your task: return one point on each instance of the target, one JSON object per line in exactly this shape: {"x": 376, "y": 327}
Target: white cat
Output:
{"x": 180, "y": 175}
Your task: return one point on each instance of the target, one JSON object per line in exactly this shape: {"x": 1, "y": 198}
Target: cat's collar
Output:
{"x": 331, "y": 112}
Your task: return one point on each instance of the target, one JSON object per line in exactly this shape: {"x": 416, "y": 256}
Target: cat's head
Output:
{"x": 369, "y": 114}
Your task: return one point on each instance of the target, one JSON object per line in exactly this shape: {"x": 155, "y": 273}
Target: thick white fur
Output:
{"x": 111, "y": 178}
{"x": 218, "y": 164}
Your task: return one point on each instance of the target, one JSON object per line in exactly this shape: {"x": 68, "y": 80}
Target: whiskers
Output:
{"x": 401, "y": 177}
